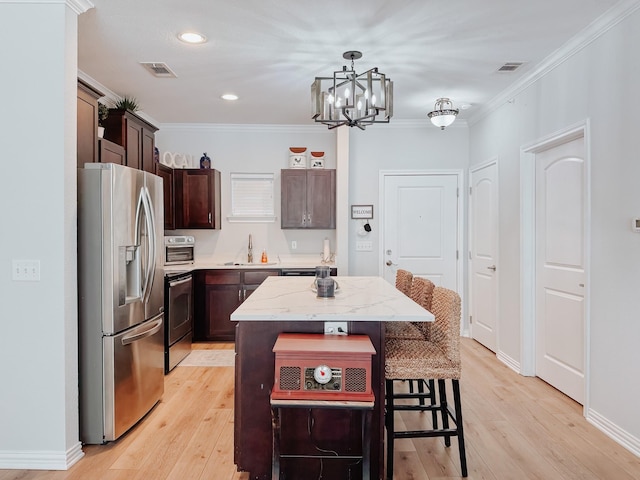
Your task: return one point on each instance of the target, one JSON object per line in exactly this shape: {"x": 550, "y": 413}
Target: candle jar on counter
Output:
{"x": 326, "y": 287}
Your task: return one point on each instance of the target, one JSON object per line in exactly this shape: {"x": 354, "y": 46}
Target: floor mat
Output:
{"x": 209, "y": 358}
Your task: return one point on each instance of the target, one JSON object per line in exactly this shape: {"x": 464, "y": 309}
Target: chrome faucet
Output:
{"x": 250, "y": 251}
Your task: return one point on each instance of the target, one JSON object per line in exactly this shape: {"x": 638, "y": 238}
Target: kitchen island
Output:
{"x": 289, "y": 304}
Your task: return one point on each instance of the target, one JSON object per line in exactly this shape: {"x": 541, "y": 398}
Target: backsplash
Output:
{"x": 230, "y": 243}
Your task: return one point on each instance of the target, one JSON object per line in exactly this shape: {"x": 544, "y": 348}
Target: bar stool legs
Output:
{"x": 442, "y": 407}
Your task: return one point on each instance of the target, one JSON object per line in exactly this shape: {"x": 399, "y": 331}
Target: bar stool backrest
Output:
{"x": 404, "y": 279}
{"x": 445, "y": 330}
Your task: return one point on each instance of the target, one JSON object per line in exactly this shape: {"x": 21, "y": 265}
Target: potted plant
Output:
{"x": 103, "y": 113}
{"x": 129, "y": 104}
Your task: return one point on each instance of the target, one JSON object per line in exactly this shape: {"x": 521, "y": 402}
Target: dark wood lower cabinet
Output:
{"x": 217, "y": 294}
{"x": 220, "y": 302}
{"x": 336, "y": 430}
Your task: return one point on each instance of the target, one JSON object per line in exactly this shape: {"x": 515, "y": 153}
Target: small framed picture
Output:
{"x": 362, "y": 211}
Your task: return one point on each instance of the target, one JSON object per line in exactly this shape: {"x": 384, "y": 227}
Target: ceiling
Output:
{"x": 268, "y": 52}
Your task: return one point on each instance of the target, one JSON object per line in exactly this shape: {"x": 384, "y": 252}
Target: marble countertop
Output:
{"x": 356, "y": 299}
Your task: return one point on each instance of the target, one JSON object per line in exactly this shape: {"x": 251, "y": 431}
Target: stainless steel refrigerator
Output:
{"x": 121, "y": 298}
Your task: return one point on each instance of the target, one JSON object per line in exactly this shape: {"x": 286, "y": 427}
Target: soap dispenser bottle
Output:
{"x": 264, "y": 256}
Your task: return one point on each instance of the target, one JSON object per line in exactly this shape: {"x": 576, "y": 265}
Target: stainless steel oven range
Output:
{"x": 179, "y": 318}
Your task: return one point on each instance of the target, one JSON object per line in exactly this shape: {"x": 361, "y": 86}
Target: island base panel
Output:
{"x": 338, "y": 430}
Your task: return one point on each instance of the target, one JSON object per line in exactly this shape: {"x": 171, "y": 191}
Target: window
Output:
{"x": 252, "y": 197}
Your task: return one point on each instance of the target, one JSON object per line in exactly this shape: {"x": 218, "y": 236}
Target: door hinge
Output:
{"x": 457, "y": 192}
{"x": 456, "y": 254}
{"x": 470, "y": 319}
{"x": 470, "y": 189}
{"x": 470, "y": 257}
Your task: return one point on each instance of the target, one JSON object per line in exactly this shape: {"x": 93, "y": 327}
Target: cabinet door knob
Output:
{"x": 239, "y": 295}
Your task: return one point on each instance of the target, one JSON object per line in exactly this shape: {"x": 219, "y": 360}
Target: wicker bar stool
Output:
{"x": 404, "y": 279}
{"x": 437, "y": 358}
{"x": 404, "y": 283}
{"x": 422, "y": 294}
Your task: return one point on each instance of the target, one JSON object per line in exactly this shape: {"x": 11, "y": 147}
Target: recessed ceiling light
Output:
{"x": 229, "y": 96}
{"x": 192, "y": 37}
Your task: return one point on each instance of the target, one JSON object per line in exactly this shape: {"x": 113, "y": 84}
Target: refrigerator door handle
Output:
{"x": 134, "y": 337}
{"x": 149, "y": 274}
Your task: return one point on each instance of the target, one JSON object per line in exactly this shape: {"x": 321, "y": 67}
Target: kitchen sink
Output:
{"x": 238, "y": 264}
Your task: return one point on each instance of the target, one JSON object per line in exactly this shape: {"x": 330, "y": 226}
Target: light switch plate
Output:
{"x": 25, "y": 270}
{"x": 364, "y": 246}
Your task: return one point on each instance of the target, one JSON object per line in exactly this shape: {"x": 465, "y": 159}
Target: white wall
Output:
{"x": 38, "y": 344}
{"x": 255, "y": 149}
{"x": 599, "y": 83}
{"x": 397, "y": 146}
{"x": 264, "y": 148}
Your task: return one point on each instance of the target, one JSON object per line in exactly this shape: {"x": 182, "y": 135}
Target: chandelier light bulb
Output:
{"x": 338, "y": 103}
{"x": 373, "y": 100}
{"x": 330, "y": 98}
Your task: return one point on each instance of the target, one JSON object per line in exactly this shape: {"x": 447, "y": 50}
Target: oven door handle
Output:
{"x": 175, "y": 283}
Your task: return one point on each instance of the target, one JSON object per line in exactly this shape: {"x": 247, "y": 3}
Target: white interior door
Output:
{"x": 421, "y": 227}
{"x": 560, "y": 267}
{"x": 483, "y": 247}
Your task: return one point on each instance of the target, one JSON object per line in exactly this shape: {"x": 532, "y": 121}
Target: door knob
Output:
{"x": 492, "y": 267}
{"x": 389, "y": 263}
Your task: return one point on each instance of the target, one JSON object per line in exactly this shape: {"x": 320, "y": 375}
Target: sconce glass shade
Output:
{"x": 443, "y": 114}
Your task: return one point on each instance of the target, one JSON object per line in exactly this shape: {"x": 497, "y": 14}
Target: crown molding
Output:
{"x": 312, "y": 128}
{"x": 78, "y": 6}
{"x": 598, "y": 27}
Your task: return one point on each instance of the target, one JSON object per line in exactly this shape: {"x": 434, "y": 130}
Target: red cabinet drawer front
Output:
{"x": 214, "y": 277}
{"x": 257, "y": 277}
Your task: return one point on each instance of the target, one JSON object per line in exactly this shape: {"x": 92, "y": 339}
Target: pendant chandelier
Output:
{"x": 353, "y": 99}
{"x": 443, "y": 114}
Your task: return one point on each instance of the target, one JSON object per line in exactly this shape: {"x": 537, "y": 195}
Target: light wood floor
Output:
{"x": 515, "y": 428}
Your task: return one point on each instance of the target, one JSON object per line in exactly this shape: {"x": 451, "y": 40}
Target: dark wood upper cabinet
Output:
{"x": 87, "y": 124}
{"x": 197, "y": 198}
{"x": 111, "y": 152}
{"x": 308, "y": 198}
{"x": 135, "y": 134}
{"x": 166, "y": 173}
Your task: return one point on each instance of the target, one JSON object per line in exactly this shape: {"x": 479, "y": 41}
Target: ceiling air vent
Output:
{"x": 159, "y": 69}
{"x": 510, "y": 66}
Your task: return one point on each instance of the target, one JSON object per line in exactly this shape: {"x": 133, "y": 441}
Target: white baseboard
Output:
{"x": 46, "y": 460}
{"x": 614, "y": 432}
{"x": 509, "y": 362}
